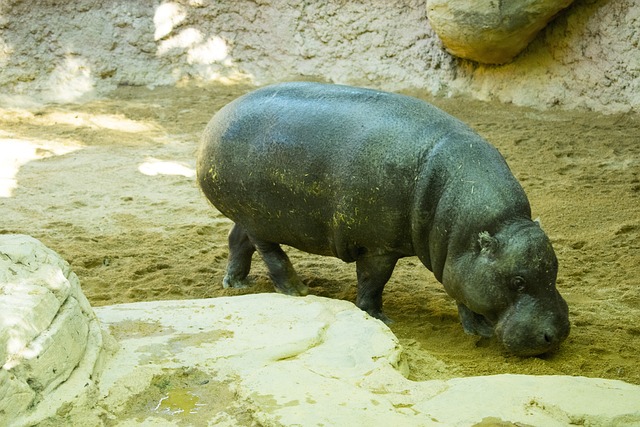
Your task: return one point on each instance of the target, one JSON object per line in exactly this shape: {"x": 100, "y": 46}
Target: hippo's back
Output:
{"x": 328, "y": 169}
{"x": 330, "y": 117}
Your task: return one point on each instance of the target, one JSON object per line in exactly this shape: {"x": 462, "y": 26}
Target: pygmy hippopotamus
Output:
{"x": 371, "y": 177}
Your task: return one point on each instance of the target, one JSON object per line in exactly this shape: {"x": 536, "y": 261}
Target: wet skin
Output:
{"x": 370, "y": 177}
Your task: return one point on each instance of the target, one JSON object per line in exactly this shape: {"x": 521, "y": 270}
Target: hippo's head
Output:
{"x": 506, "y": 284}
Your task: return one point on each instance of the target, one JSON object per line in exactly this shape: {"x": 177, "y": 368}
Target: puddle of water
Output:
{"x": 180, "y": 401}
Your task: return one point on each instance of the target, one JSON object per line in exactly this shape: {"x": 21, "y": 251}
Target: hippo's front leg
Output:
{"x": 474, "y": 323}
{"x": 373, "y": 274}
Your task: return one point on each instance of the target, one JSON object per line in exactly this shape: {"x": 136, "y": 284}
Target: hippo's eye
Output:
{"x": 518, "y": 284}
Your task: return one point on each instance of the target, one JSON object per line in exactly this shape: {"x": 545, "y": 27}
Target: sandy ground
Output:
{"x": 109, "y": 185}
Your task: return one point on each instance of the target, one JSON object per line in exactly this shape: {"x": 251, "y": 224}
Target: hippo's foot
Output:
{"x": 235, "y": 283}
{"x": 281, "y": 272}
{"x": 373, "y": 274}
{"x": 474, "y": 323}
{"x": 379, "y": 314}
{"x": 294, "y": 288}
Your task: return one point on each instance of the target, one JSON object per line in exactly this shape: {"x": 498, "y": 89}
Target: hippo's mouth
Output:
{"x": 474, "y": 323}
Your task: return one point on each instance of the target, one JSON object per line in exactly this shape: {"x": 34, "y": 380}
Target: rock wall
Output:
{"x": 61, "y": 51}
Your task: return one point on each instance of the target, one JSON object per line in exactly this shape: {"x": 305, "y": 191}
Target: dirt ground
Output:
{"x": 109, "y": 185}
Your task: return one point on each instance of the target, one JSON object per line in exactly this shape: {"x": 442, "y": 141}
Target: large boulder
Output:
{"x": 490, "y": 31}
{"x": 50, "y": 339}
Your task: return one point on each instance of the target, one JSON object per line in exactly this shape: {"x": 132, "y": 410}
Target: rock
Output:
{"x": 265, "y": 359}
{"x": 490, "y": 31}
{"x": 275, "y": 360}
{"x": 50, "y": 338}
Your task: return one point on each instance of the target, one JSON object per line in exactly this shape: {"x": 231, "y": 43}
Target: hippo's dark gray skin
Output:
{"x": 372, "y": 177}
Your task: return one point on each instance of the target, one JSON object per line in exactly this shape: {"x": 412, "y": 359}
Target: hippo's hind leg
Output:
{"x": 373, "y": 274}
{"x": 241, "y": 250}
{"x": 280, "y": 269}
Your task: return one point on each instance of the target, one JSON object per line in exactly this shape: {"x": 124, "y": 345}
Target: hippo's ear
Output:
{"x": 488, "y": 243}
{"x": 538, "y": 221}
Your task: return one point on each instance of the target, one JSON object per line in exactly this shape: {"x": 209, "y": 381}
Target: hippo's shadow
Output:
{"x": 331, "y": 288}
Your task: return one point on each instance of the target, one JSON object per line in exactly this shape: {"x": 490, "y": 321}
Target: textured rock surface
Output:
{"x": 50, "y": 339}
{"x": 315, "y": 361}
{"x": 263, "y": 359}
{"x": 587, "y": 57}
{"x": 490, "y": 31}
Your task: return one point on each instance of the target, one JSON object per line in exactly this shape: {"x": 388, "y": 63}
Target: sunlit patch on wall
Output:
{"x": 185, "y": 39}
{"x": 5, "y": 52}
{"x": 213, "y": 50}
{"x": 199, "y": 50}
{"x": 208, "y": 55}
{"x": 70, "y": 80}
{"x": 167, "y": 16}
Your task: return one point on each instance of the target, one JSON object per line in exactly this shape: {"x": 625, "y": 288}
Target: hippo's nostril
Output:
{"x": 548, "y": 338}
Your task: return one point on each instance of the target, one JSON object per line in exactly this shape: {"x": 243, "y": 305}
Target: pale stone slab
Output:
{"x": 316, "y": 361}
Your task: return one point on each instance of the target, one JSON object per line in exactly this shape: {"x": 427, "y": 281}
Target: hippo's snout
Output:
{"x": 533, "y": 327}
{"x": 535, "y": 342}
